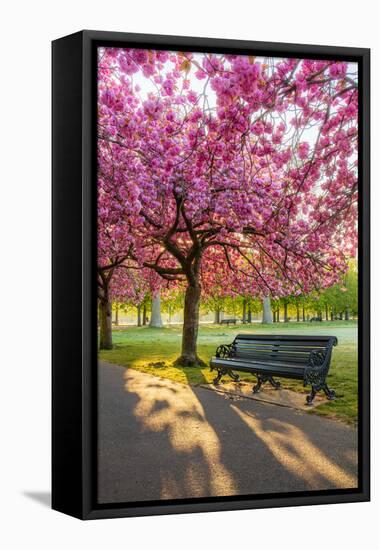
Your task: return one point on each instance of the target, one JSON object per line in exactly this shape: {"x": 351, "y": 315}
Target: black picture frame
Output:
{"x": 74, "y": 357}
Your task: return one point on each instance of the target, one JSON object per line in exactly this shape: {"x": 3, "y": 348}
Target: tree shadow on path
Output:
{"x": 162, "y": 440}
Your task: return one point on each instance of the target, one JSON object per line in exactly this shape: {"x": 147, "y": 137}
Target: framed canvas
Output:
{"x": 210, "y": 274}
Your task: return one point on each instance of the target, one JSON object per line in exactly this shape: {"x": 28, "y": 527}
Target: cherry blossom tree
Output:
{"x": 115, "y": 243}
{"x": 113, "y": 284}
{"x": 227, "y": 164}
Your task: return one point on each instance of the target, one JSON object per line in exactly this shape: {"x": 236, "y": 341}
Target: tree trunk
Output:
{"x": 139, "y": 320}
{"x": 189, "y": 357}
{"x": 278, "y": 315}
{"x": 217, "y": 316}
{"x": 266, "y": 313}
{"x": 303, "y": 314}
{"x": 156, "y": 319}
{"x": 248, "y": 314}
{"x": 144, "y": 315}
{"x": 326, "y": 313}
{"x": 347, "y": 314}
{"x": 297, "y": 314}
{"x": 105, "y": 323}
{"x": 285, "y": 312}
{"x": 244, "y": 311}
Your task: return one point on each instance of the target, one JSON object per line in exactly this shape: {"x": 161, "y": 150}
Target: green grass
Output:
{"x": 153, "y": 351}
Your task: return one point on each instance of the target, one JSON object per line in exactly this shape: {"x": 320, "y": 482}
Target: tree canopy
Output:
{"x": 226, "y": 168}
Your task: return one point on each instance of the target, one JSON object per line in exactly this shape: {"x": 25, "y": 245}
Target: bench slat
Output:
{"x": 280, "y": 370}
{"x": 233, "y": 361}
{"x": 284, "y": 337}
{"x": 276, "y": 347}
{"x": 271, "y": 357}
{"x": 304, "y": 343}
{"x": 237, "y": 350}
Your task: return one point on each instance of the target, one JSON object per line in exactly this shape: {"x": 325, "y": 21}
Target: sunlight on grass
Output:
{"x": 154, "y": 350}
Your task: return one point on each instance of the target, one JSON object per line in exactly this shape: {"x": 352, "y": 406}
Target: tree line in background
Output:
{"x": 339, "y": 302}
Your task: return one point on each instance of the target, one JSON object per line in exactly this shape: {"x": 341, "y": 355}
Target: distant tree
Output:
{"x": 172, "y": 302}
{"x": 267, "y": 312}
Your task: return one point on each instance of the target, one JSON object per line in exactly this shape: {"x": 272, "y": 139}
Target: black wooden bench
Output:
{"x": 228, "y": 322}
{"x": 304, "y": 358}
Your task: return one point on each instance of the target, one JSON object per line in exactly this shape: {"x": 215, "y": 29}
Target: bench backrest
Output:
{"x": 284, "y": 348}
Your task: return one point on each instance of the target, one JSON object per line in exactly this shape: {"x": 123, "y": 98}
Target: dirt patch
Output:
{"x": 281, "y": 397}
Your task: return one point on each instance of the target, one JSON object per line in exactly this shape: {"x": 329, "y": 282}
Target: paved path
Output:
{"x": 159, "y": 439}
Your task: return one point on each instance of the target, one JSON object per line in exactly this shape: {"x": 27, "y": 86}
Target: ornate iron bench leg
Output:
{"x": 233, "y": 376}
{"x": 218, "y": 377}
{"x": 257, "y": 386}
{"x": 220, "y": 373}
{"x": 311, "y": 396}
{"x": 274, "y": 383}
{"x": 330, "y": 394}
{"x": 262, "y": 379}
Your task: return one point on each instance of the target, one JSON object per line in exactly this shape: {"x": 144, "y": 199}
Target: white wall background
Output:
{"x": 26, "y": 31}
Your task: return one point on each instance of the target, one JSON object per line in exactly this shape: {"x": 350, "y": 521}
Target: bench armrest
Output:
{"x": 318, "y": 366}
{"x": 225, "y": 350}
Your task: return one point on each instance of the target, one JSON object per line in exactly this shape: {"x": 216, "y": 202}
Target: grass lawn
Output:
{"x": 154, "y": 350}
